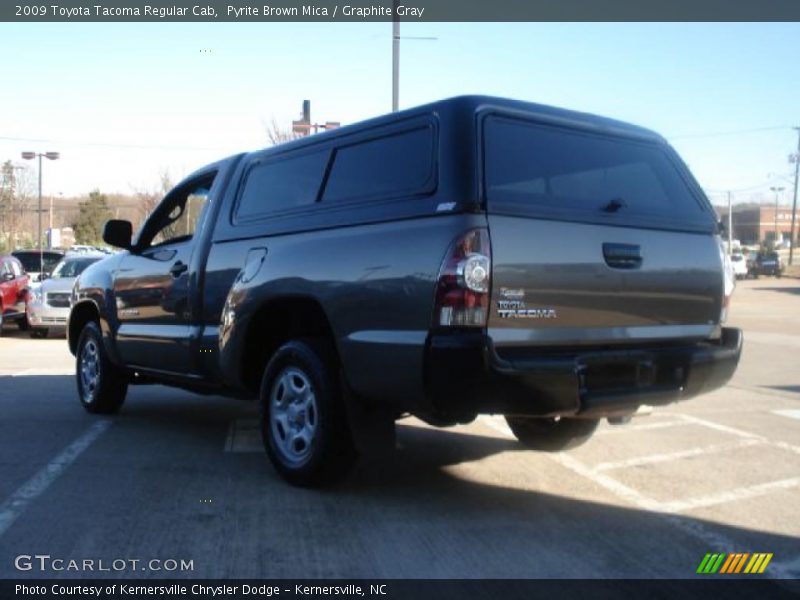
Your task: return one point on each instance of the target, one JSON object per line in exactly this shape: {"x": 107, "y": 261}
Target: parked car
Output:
{"x": 739, "y": 264}
{"x": 415, "y": 263}
{"x": 766, "y": 263}
{"x": 33, "y": 261}
{"x": 48, "y": 302}
{"x": 13, "y": 289}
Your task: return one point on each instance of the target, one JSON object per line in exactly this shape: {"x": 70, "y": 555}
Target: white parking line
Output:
{"x": 668, "y": 511}
{"x": 669, "y": 456}
{"x": 791, "y": 413}
{"x": 16, "y": 504}
{"x": 618, "y": 489}
{"x": 741, "y": 433}
{"x": 743, "y": 493}
{"x": 643, "y": 427}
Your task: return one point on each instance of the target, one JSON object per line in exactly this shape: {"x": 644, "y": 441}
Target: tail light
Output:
{"x": 462, "y": 289}
{"x": 728, "y": 281}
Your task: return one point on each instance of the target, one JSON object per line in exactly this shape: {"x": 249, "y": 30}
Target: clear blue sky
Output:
{"x": 94, "y": 88}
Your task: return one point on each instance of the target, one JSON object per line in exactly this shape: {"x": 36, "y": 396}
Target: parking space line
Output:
{"x": 791, "y": 413}
{"x": 742, "y": 493}
{"x": 670, "y": 456}
{"x": 618, "y": 489}
{"x": 642, "y": 427}
{"x": 688, "y": 525}
{"x": 741, "y": 433}
{"x": 16, "y": 504}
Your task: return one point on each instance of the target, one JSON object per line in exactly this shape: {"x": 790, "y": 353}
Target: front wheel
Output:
{"x": 552, "y": 434}
{"x": 303, "y": 421}
{"x": 101, "y": 384}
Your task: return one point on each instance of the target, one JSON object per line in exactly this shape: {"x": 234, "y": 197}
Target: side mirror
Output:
{"x": 8, "y": 276}
{"x": 118, "y": 233}
{"x": 44, "y": 276}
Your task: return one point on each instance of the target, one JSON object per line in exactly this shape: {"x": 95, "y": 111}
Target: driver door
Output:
{"x": 153, "y": 285}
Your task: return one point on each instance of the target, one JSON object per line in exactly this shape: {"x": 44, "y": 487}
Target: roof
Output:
{"x": 468, "y": 105}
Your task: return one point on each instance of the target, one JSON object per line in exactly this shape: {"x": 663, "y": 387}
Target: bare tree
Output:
{"x": 277, "y": 134}
{"x": 148, "y": 199}
{"x": 16, "y": 190}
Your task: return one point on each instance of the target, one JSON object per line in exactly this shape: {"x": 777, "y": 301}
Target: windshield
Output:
{"x": 570, "y": 172}
{"x": 72, "y": 267}
{"x": 30, "y": 260}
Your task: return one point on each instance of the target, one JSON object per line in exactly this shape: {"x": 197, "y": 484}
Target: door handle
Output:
{"x": 178, "y": 268}
{"x": 622, "y": 256}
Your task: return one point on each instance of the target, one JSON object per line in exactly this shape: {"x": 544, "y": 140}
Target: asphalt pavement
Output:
{"x": 183, "y": 478}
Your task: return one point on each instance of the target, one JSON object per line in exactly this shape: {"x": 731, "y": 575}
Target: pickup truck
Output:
{"x": 476, "y": 255}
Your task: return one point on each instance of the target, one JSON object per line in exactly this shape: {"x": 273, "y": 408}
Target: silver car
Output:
{"x": 47, "y": 304}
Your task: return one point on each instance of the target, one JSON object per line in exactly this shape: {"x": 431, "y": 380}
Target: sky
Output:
{"x": 125, "y": 102}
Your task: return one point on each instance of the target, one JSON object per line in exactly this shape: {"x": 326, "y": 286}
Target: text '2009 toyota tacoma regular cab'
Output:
{"x": 475, "y": 255}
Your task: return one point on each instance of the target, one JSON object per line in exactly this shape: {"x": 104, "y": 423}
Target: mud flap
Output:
{"x": 372, "y": 428}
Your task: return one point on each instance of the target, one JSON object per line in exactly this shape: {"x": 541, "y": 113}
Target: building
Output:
{"x": 756, "y": 224}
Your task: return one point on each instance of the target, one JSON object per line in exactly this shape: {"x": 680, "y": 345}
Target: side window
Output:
{"x": 178, "y": 218}
{"x": 4, "y": 268}
{"x": 16, "y": 268}
{"x": 400, "y": 163}
{"x": 281, "y": 184}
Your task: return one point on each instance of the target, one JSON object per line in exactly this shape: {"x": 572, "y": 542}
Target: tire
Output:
{"x": 101, "y": 384}
{"x": 550, "y": 434}
{"x": 38, "y": 333}
{"x": 303, "y": 420}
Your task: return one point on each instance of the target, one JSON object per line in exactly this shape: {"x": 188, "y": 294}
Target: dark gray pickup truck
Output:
{"x": 474, "y": 255}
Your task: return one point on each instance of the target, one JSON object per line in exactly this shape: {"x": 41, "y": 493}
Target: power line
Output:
{"x": 726, "y": 133}
{"x": 111, "y": 145}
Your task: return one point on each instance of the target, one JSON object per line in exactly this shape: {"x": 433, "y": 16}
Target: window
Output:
{"x": 281, "y": 184}
{"x": 393, "y": 165}
{"x": 560, "y": 169}
{"x": 176, "y": 219}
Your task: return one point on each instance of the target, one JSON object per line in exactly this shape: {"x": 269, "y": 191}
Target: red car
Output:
{"x": 13, "y": 288}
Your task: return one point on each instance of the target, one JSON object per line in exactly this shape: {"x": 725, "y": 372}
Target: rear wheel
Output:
{"x": 303, "y": 421}
{"x": 552, "y": 434}
{"x": 101, "y": 384}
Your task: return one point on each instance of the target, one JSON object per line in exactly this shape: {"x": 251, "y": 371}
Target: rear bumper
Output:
{"x": 465, "y": 374}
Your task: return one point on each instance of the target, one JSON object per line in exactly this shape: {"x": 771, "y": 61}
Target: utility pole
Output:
{"x": 796, "y": 159}
{"x": 777, "y": 191}
{"x": 395, "y": 58}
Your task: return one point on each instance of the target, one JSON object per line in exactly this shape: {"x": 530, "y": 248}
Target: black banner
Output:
{"x": 731, "y": 588}
{"x": 387, "y": 10}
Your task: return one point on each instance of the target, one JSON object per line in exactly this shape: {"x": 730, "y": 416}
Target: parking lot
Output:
{"x": 183, "y": 477}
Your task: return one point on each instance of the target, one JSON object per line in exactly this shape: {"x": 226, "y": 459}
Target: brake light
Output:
{"x": 464, "y": 282}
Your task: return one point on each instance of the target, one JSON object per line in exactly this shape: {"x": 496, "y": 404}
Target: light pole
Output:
{"x": 49, "y": 156}
{"x": 795, "y": 158}
{"x": 777, "y": 191}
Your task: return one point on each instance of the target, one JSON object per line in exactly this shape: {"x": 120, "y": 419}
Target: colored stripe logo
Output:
{"x": 734, "y": 562}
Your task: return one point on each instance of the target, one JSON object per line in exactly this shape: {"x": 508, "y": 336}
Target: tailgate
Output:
{"x": 596, "y": 239}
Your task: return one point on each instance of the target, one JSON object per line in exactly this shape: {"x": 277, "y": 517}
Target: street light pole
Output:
{"x": 777, "y": 191}
{"x": 796, "y": 159}
{"x": 49, "y": 156}
{"x": 395, "y": 58}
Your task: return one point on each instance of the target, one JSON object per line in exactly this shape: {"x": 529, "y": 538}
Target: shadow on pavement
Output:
{"x": 409, "y": 514}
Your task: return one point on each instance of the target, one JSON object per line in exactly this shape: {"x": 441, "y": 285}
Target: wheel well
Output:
{"x": 277, "y": 322}
{"x": 78, "y": 317}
